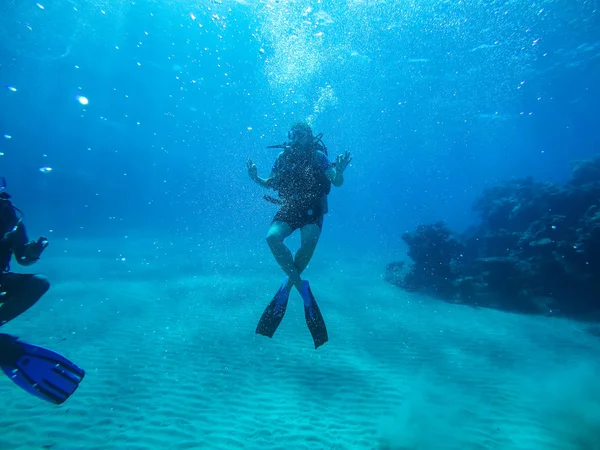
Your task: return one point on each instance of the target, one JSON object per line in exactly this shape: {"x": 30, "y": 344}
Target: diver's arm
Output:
{"x": 269, "y": 182}
{"x": 335, "y": 176}
{"x": 30, "y": 253}
{"x": 335, "y": 172}
{"x": 22, "y": 255}
{"x": 26, "y": 253}
{"x": 262, "y": 182}
{"x": 19, "y": 242}
{"x": 24, "y": 261}
{"x": 253, "y": 173}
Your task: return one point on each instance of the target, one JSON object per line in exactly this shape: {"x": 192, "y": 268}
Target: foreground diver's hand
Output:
{"x": 252, "y": 169}
{"x": 34, "y": 249}
{"x": 342, "y": 161}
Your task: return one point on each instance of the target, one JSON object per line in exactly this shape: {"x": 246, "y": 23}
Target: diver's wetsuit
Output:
{"x": 18, "y": 292}
{"x": 303, "y": 187}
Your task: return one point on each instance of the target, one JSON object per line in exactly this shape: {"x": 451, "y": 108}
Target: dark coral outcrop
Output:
{"x": 536, "y": 249}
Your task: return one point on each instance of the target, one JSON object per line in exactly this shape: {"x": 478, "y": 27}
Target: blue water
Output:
{"x": 436, "y": 100}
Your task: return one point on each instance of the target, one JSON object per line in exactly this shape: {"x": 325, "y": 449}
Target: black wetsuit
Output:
{"x": 303, "y": 186}
{"x": 18, "y": 292}
{"x": 11, "y": 239}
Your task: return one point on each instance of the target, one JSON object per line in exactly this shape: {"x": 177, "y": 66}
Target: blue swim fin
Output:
{"x": 41, "y": 372}
{"x": 314, "y": 318}
{"x": 274, "y": 312}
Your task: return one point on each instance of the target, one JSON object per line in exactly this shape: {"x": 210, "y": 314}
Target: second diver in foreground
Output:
{"x": 37, "y": 370}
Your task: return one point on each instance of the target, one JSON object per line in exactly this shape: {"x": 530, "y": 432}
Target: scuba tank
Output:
{"x": 318, "y": 145}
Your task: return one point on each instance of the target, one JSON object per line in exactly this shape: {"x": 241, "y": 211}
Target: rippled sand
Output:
{"x": 172, "y": 362}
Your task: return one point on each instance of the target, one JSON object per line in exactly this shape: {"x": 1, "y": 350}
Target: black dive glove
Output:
{"x": 34, "y": 249}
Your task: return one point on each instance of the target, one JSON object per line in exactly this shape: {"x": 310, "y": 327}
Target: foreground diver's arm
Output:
{"x": 26, "y": 253}
{"x": 18, "y": 240}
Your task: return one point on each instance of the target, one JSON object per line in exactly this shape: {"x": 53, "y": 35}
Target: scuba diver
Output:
{"x": 302, "y": 175}
{"x": 40, "y": 372}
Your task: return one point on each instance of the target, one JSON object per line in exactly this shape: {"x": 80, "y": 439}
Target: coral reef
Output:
{"x": 536, "y": 249}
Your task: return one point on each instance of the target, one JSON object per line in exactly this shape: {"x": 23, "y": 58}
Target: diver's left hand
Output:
{"x": 342, "y": 161}
{"x": 34, "y": 249}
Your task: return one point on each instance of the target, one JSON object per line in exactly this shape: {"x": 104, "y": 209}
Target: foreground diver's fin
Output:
{"x": 314, "y": 319}
{"x": 41, "y": 372}
{"x": 274, "y": 312}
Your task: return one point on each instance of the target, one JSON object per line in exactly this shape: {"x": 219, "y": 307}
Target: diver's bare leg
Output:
{"x": 309, "y": 237}
{"x": 278, "y": 232}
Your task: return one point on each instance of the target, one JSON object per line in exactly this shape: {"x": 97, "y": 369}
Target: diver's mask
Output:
{"x": 300, "y": 138}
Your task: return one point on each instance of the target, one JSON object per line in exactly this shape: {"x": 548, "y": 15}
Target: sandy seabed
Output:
{"x": 165, "y": 333}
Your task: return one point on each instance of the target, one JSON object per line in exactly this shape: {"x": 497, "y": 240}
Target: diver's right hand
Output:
{"x": 34, "y": 249}
{"x": 252, "y": 170}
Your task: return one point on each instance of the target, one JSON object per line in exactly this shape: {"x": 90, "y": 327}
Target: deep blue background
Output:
{"x": 431, "y": 117}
